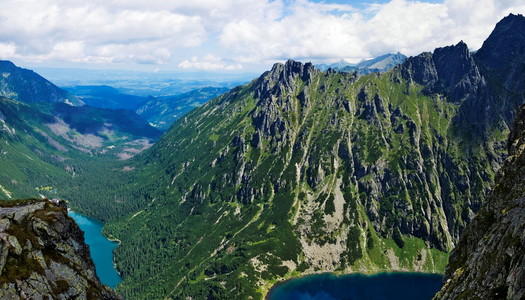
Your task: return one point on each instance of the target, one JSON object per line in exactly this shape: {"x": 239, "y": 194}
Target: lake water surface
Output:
{"x": 391, "y": 286}
{"x": 100, "y": 247}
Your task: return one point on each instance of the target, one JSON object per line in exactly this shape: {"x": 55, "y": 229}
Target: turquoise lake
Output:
{"x": 384, "y": 286}
{"x": 100, "y": 247}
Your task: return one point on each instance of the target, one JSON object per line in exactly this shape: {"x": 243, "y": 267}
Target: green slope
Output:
{"x": 29, "y": 87}
{"x": 74, "y": 153}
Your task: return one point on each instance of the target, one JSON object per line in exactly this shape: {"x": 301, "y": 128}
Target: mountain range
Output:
{"x": 299, "y": 171}
{"x": 161, "y": 112}
{"x": 304, "y": 171}
{"x": 379, "y": 64}
{"x": 45, "y": 141}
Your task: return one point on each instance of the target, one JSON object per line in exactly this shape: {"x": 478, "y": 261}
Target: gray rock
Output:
{"x": 54, "y": 261}
{"x": 489, "y": 261}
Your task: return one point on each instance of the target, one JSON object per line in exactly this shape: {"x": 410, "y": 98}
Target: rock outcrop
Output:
{"x": 489, "y": 261}
{"x": 43, "y": 254}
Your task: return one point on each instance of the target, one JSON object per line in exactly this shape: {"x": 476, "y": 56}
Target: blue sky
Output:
{"x": 234, "y": 35}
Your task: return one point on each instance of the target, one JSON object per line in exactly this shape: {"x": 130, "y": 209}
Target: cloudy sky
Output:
{"x": 235, "y": 35}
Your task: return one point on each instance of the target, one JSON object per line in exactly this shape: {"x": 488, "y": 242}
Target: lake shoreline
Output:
{"x": 93, "y": 229}
{"x": 337, "y": 275}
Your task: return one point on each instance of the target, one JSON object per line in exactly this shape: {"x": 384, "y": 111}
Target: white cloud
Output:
{"x": 209, "y": 62}
{"x": 314, "y": 31}
{"x": 78, "y": 31}
{"x": 232, "y": 34}
{"x": 7, "y": 50}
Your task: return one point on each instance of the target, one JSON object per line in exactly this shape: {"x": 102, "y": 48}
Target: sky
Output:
{"x": 235, "y": 35}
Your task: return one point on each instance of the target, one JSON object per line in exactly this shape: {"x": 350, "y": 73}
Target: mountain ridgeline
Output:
{"x": 379, "y": 64}
{"x": 304, "y": 171}
{"x": 29, "y": 87}
{"x": 50, "y": 148}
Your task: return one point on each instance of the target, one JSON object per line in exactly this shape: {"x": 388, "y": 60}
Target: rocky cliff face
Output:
{"x": 489, "y": 261}
{"x": 43, "y": 254}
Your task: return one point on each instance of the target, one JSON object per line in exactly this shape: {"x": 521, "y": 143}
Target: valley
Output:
{"x": 222, "y": 192}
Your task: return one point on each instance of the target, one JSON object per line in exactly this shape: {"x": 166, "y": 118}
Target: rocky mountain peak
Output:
{"x": 420, "y": 69}
{"x": 6, "y": 65}
{"x": 286, "y": 73}
{"x": 450, "y": 71}
{"x": 457, "y": 72}
{"x": 505, "y": 43}
{"x": 274, "y": 92}
{"x": 502, "y": 54}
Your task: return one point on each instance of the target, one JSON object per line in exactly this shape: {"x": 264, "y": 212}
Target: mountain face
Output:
{"x": 163, "y": 111}
{"x": 29, "y": 87}
{"x": 43, "y": 254}
{"x": 39, "y": 149}
{"x": 489, "y": 261}
{"x": 303, "y": 171}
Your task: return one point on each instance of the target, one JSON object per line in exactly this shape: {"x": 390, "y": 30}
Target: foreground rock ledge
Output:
{"x": 43, "y": 254}
{"x": 489, "y": 261}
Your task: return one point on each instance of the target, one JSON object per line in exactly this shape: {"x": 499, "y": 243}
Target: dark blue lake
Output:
{"x": 406, "y": 286}
{"x": 100, "y": 247}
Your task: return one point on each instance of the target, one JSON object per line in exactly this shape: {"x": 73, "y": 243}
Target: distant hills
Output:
{"x": 161, "y": 112}
{"x": 379, "y": 64}
{"x": 104, "y": 96}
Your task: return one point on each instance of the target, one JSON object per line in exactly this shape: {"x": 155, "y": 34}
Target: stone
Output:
{"x": 53, "y": 263}
{"x": 489, "y": 261}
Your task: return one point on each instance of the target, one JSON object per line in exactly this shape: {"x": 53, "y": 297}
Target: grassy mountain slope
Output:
{"x": 49, "y": 156}
{"x": 49, "y": 148}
